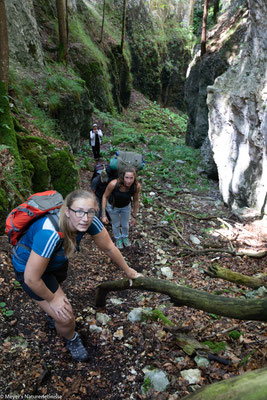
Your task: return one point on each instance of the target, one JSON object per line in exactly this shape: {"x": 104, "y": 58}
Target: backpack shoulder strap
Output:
{"x": 55, "y": 222}
{"x": 53, "y": 218}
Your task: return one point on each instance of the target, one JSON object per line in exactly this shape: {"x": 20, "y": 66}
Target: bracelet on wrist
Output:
{"x": 134, "y": 216}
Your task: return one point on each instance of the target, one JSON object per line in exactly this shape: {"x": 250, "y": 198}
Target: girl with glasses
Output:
{"x": 40, "y": 266}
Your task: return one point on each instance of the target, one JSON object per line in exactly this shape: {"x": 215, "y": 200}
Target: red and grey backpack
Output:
{"x": 36, "y": 206}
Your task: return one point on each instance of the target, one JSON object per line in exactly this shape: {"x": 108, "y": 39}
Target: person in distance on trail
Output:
{"x": 116, "y": 201}
{"x": 95, "y": 140}
{"x": 40, "y": 267}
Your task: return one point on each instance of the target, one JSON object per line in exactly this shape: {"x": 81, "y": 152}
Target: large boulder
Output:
{"x": 238, "y": 119}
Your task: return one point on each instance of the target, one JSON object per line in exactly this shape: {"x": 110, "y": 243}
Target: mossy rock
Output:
{"x": 8, "y": 138}
{"x": 41, "y": 179}
{"x": 4, "y": 209}
{"x": 121, "y": 78}
{"x": 34, "y": 152}
{"x": 64, "y": 174}
{"x": 48, "y": 166}
{"x": 96, "y": 77}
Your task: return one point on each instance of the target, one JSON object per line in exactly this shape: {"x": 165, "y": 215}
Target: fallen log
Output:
{"x": 216, "y": 271}
{"x": 250, "y": 385}
{"x": 243, "y": 309}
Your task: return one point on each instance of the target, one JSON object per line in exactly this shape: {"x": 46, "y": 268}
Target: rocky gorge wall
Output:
{"x": 227, "y": 111}
{"x": 159, "y": 56}
{"x": 238, "y": 119}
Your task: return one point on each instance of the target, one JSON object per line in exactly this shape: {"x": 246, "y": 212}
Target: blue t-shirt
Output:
{"x": 42, "y": 238}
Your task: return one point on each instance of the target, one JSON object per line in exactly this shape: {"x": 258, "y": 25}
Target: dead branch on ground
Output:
{"x": 252, "y": 309}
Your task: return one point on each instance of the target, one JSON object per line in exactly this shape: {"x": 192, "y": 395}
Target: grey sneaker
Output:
{"x": 76, "y": 348}
{"x": 119, "y": 244}
{"x": 126, "y": 242}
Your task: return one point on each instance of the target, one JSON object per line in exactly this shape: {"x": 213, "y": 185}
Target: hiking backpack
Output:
{"x": 36, "y": 206}
{"x": 125, "y": 159}
{"x": 102, "y": 170}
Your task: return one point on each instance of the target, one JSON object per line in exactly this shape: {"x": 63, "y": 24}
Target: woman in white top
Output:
{"x": 95, "y": 139}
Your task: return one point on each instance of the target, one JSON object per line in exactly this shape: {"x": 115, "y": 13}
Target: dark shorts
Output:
{"x": 51, "y": 280}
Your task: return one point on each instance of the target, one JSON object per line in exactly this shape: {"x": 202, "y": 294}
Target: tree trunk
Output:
{"x": 123, "y": 25}
{"x": 255, "y": 309}
{"x": 62, "y": 30}
{"x": 250, "y": 385}
{"x": 103, "y": 20}
{"x": 4, "y": 51}
{"x": 204, "y": 27}
{"x": 240, "y": 279}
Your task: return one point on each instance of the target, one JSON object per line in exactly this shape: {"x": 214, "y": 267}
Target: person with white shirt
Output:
{"x": 95, "y": 140}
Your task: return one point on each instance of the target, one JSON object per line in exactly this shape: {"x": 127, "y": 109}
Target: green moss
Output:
{"x": 234, "y": 334}
{"x": 48, "y": 166}
{"x": 34, "y": 151}
{"x": 14, "y": 176}
{"x": 216, "y": 347}
{"x": 8, "y": 136}
{"x": 4, "y": 206}
{"x": 41, "y": 176}
{"x": 64, "y": 174}
{"x": 93, "y": 67}
{"x": 158, "y": 315}
{"x": 120, "y": 76}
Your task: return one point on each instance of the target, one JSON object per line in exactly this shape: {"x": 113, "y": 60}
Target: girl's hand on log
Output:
{"x": 133, "y": 274}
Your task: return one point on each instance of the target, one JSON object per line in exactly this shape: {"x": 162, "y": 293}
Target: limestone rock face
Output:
{"x": 237, "y": 104}
{"x": 23, "y": 35}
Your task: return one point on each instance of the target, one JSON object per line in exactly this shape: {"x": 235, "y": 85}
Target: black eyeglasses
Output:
{"x": 81, "y": 213}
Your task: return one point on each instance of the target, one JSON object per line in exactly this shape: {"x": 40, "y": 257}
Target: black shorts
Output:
{"x": 51, "y": 279}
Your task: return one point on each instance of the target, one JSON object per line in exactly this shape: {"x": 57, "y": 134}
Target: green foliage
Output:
{"x": 84, "y": 158}
{"x": 198, "y": 16}
{"x": 17, "y": 285}
{"x": 246, "y": 359}
{"x": 177, "y": 164}
{"x": 197, "y": 20}
{"x": 162, "y": 121}
{"x": 146, "y": 385}
{"x": 4, "y": 311}
{"x": 214, "y": 316}
{"x": 146, "y": 199}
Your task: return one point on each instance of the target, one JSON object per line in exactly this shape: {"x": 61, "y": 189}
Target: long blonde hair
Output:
{"x": 64, "y": 223}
